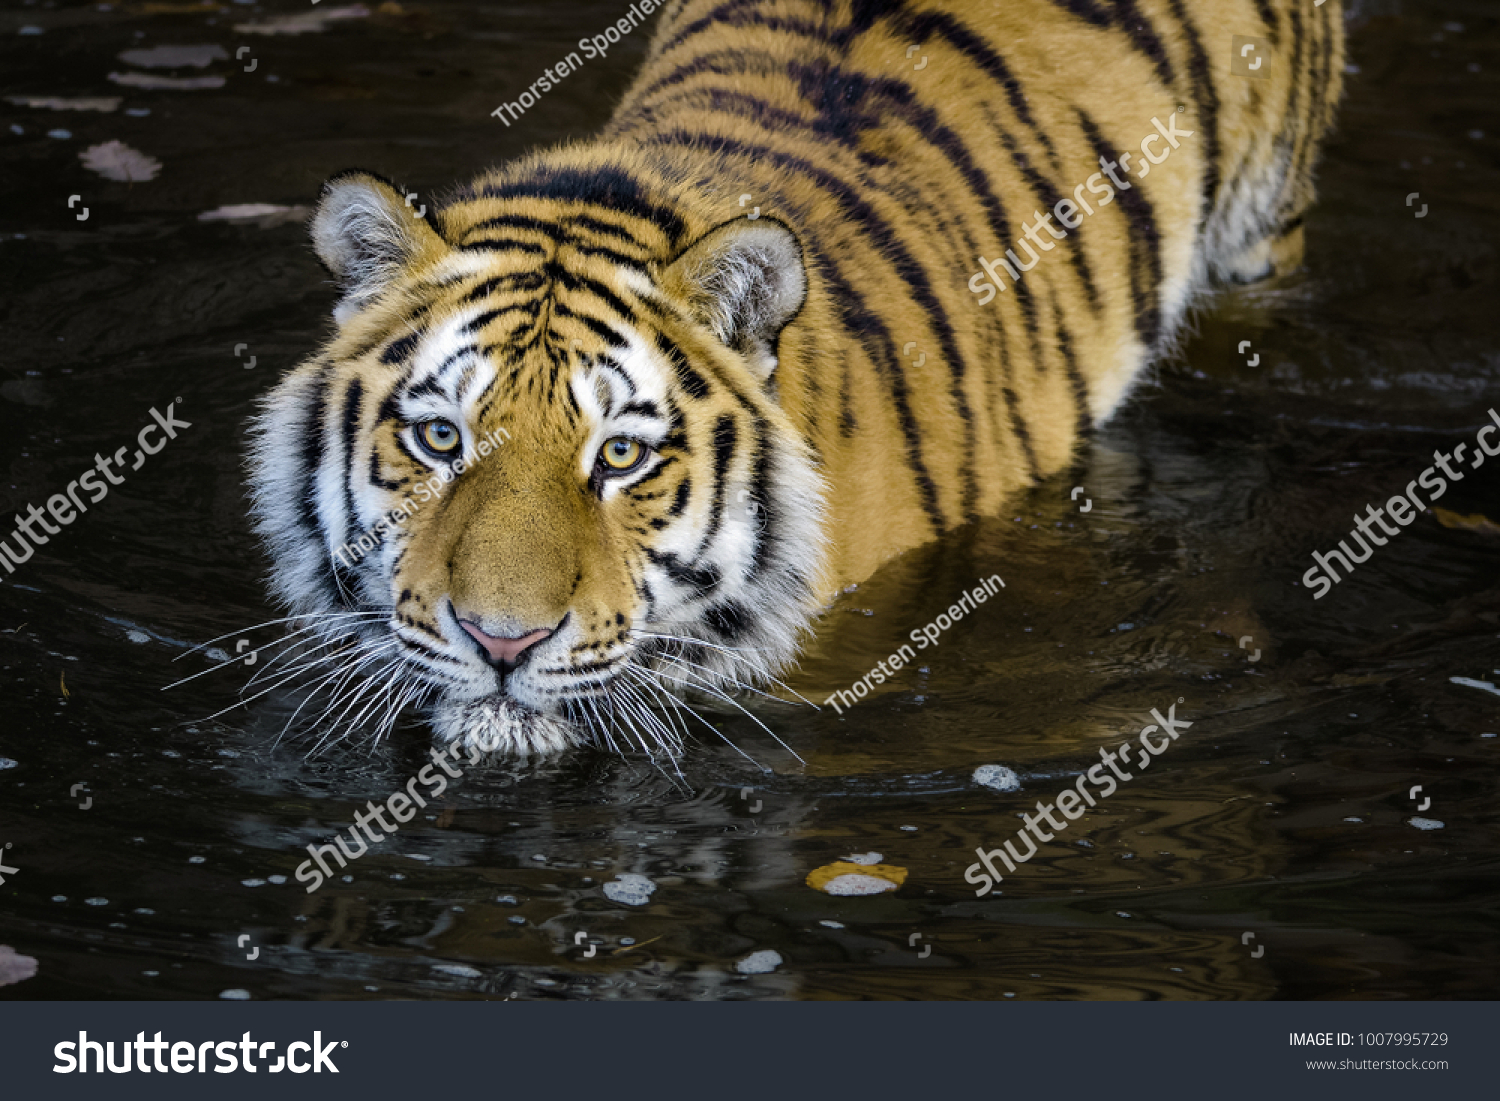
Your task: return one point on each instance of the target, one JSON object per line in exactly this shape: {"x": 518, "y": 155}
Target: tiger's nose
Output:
{"x": 503, "y": 651}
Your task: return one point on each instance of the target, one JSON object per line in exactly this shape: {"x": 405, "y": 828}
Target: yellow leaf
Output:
{"x": 820, "y": 878}
{"x": 62, "y": 681}
{"x": 1483, "y": 525}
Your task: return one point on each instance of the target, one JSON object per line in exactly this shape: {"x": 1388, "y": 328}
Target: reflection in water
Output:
{"x": 1267, "y": 853}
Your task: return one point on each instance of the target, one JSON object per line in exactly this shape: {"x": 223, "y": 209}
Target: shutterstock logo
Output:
{"x": 187, "y": 1058}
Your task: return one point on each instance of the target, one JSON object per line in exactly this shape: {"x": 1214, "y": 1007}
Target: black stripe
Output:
{"x": 502, "y": 244}
{"x": 482, "y": 320}
{"x": 422, "y": 648}
{"x": 314, "y": 431}
{"x": 1206, "y": 99}
{"x": 1085, "y": 422}
{"x": 726, "y": 439}
{"x": 609, "y": 229}
{"x": 731, "y": 620}
{"x": 1291, "y": 123}
{"x": 398, "y": 350}
{"x": 516, "y": 221}
{"x": 354, "y": 395}
{"x": 611, "y": 187}
{"x": 375, "y": 477}
{"x": 715, "y": 18}
{"x": 1018, "y": 426}
{"x": 606, "y": 332}
{"x": 704, "y": 578}
{"x": 1085, "y": 10}
{"x": 1270, "y": 18}
{"x": 766, "y": 522}
{"x": 1144, "y": 38}
{"x": 575, "y": 282}
{"x": 1311, "y": 133}
{"x": 603, "y": 252}
{"x": 690, "y": 380}
{"x": 1145, "y": 245}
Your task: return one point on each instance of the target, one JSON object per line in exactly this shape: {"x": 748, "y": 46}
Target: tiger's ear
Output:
{"x": 366, "y": 233}
{"x": 745, "y": 280}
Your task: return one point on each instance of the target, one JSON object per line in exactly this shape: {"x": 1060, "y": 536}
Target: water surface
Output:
{"x": 1283, "y": 812}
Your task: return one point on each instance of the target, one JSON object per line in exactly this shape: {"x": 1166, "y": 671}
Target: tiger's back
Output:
{"x": 905, "y": 143}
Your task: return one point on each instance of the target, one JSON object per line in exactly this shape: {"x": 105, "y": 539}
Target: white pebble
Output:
{"x": 863, "y": 858}
{"x": 1426, "y": 823}
{"x": 998, "y": 777}
{"x": 759, "y": 963}
{"x": 235, "y": 995}
{"x": 630, "y": 889}
{"x": 853, "y": 885}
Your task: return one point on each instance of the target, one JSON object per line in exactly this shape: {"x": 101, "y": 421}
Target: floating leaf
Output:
{"x": 1482, "y": 685}
{"x": 169, "y": 83}
{"x": 844, "y": 878}
{"x": 114, "y": 160}
{"x": 64, "y": 103}
{"x": 14, "y": 967}
{"x": 312, "y": 22}
{"x": 175, "y": 57}
{"x": 1483, "y": 525}
{"x": 266, "y": 214}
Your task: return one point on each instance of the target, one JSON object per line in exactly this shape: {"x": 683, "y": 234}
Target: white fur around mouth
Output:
{"x": 500, "y": 725}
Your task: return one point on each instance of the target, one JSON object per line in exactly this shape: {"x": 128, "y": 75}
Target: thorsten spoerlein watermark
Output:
{"x": 596, "y": 46}
{"x": 1066, "y": 211}
{"x": 1071, "y": 802}
{"x": 62, "y": 507}
{"x": 190, "y": 1058}
{"x": 1399, "y": 508}
{"x": 374, "y": 535}
{"x": 923, "y": 637}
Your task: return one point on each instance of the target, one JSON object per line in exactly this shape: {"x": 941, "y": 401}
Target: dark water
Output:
{"x": 1283, "y": 812}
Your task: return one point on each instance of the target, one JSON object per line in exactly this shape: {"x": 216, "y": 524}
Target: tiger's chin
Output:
{"x": 499, "y": 726}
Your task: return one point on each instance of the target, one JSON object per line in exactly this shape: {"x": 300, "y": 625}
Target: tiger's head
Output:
{"x": 538, "y": 481}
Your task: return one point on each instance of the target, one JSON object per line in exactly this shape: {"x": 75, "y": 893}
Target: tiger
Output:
{"x": 618, "y": 420}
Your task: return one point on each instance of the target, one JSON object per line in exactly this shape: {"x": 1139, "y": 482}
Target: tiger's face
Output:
{"x": 538, "y": 481}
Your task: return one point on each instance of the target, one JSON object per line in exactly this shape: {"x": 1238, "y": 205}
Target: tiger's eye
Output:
{"x": 439, "y": 437}
{"x": 621, "y": 453}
